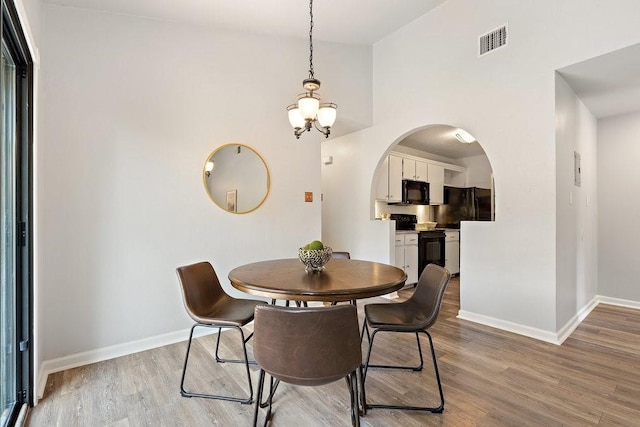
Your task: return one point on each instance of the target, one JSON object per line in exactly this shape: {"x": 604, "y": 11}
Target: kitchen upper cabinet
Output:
{"x": 389, "y": 185}
{"x": 414, "y": 170}
{"x": 395, "y": 179}
{"x": 398, "y": 166}
{"x": 408, "y": 169}
{"x": 435, "y": 178}
{"x": 382, "y": 183}
{"x": 421, "y": 171}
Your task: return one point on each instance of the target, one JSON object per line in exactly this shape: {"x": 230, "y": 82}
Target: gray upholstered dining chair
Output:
{"x": 415, "y": 315}
{"x": 209, "y": 306}
{"x": 327, "y": 349}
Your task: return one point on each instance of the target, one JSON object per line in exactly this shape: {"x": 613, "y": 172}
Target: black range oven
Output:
{"x": 404, "y": 221}
{"x": 430, "y": 249}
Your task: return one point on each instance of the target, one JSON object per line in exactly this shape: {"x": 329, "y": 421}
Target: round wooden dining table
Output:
{"x": 341, "y": 280}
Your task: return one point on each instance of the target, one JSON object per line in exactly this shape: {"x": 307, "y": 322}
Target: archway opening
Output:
{"x": 460, "y": 185}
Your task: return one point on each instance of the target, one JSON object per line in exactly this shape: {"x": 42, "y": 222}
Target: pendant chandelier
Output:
{"x": 308, "y": 110}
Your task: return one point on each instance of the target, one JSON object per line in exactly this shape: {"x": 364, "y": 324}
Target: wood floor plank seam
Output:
{"x": 491, "y": 378}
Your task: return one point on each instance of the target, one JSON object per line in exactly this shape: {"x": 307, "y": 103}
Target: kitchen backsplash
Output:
{"x": 424, "y": 213}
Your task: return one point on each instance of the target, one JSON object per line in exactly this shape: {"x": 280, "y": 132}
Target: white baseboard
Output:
{"x": 575, "y": 321}
{"x": 505, "y": 325}
{"x": 554, "y": 338}
{"x": 619, "y": 302}
{"x": 98, "y": 355}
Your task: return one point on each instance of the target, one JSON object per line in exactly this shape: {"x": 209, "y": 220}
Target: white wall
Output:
{"x": 31, "y": 15}
{"x": 577, "y": 206}
{"x": 429, "y": 72}
{"x": 619, "y": 206}
{"x": 131, "y": 108}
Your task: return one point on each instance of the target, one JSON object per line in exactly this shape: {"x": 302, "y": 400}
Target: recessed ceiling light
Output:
{"x": 464, "y": 137}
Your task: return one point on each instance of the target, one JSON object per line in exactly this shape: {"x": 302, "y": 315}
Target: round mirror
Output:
{"x": 236, "y": 178}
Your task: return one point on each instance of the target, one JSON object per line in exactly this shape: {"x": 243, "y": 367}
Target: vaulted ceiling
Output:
{"x": 608, "y": 85}
{"x": 342, "y": 21}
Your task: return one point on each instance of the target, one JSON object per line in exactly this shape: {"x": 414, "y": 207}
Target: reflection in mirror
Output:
{"x": 236, "y": 178}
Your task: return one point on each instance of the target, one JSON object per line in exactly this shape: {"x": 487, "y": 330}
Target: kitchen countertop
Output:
{"x": 433, "y": 229}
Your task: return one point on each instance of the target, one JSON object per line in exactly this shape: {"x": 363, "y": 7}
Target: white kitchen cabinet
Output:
{"x": 407, "y": 255}
{"x": 435, "y": 174}
{"x": 452, "y": 251}
{"x": 395, "y": 179}
{"x": 382, "y": 183}
{"x": 414, "y": 170}
{"x": 399, "y": 255}
{"x": 411, "y": 257}
{"x": 408, "y": 169}
{"x": 389, "y": 184}
{"x": 421, "y": 171}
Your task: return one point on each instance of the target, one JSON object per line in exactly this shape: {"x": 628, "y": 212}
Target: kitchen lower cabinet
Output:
{"x": 452, "y": 251}
{"x": 407, "y": 255}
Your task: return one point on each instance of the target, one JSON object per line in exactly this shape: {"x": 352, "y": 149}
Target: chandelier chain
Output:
{"x": 311, "y": 76}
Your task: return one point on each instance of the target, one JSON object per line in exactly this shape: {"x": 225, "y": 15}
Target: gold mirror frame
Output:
{"x": 242, "y": 178}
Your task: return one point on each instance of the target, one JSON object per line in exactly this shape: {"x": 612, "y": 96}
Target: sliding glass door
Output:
{"x": 15, "y": 218}
{"x": 7, "y": 240}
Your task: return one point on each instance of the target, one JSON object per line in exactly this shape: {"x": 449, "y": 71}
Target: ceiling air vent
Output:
{"x": 493, "y": 40}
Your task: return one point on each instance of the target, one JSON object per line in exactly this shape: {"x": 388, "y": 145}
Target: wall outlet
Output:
{"x": 308, "y": 196}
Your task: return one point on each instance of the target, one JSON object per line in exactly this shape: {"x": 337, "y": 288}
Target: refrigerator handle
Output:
{"x": 476, "y": 205}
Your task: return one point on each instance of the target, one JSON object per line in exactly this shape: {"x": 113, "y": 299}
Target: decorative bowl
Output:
{"x": 429, "y": 225}
{"x": 314, "y": 259}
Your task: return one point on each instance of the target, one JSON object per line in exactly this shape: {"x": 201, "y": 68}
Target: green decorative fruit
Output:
{"x": 315, "y": 245}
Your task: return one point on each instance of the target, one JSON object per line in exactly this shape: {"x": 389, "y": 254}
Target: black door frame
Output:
{"x": 15, "y": 40}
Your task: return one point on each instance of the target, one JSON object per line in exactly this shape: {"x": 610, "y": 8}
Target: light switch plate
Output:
{"x": 308, "y": 196}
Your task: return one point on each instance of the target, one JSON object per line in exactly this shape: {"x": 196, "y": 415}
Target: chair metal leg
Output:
{"x": 273, "y": 386}
{"x": 362, "y": 404}
{"x": 410, "y": 368}
{"x": 436, "y": 409}
{"x": 365, "y": 328}
{"x": 352, "y": 382}
{"x": 258, "y": 398}
{"x": 186, "y": 393}
{"x": 440, "y": 408}
{"x": 221, "y": 360}
{"x": 269, "y": 405}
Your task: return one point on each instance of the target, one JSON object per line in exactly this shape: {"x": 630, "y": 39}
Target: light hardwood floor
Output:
{"x": 490, "y": 378}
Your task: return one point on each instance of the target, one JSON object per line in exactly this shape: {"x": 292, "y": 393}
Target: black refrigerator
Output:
{"x": 463, "y": 204}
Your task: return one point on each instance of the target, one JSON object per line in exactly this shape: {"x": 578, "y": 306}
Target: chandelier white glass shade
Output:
{"x": 308, "y": 111}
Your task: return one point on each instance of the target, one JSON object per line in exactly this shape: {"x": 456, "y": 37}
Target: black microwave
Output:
{"x": 415, "y": 192}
